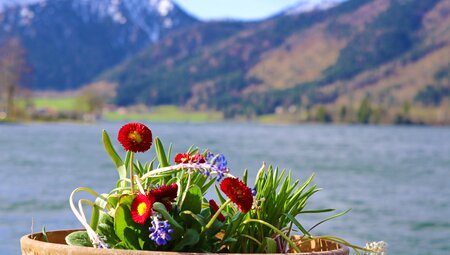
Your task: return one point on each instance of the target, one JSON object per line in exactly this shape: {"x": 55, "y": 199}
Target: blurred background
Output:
{"x": 354, "y": 61}
{"x": 361, "y": 89}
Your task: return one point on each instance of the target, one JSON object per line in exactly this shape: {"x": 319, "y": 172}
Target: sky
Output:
{"x": 223, "y": 9}
{"x": 235, "y": 9}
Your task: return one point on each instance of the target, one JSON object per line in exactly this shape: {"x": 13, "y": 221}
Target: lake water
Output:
{"x": 396, "y": 179}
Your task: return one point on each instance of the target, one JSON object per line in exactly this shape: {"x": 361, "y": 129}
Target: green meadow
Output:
{"x": 167, "y": 113}
{"x": 69, "y": 103}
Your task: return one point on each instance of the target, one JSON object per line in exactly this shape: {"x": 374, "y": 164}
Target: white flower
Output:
{"x": 377, "y": 248}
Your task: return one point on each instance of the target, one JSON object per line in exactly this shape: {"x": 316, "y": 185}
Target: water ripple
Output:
{"x": 394, "y": 178}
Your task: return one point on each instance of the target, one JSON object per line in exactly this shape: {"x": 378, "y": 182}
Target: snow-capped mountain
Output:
{"x": 99, "y": 9}
{"x": 137, "y": 12}
{"x": 312, "y": 5}
{"x": 70, "y": 41}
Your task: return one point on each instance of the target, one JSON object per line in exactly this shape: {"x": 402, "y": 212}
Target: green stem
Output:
{"x": 132, "y": 172}
{"x": 214, "y": 217}
{"x": 261, "y": 231}
{"x": 292, "y": 244}
{"x": 95, "y": 213}
{"x": 289, "y": 231}
{"x": 252, "y": 238}
{"x": 80, "y": 214}
{"x": 186, "y": 190}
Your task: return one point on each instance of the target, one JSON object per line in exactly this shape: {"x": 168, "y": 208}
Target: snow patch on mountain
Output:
{"x": 163, "y": 6}
{"x": 116, "y": 10}
{"x": 136, "y": 12}
{"x": 312, "y": 5}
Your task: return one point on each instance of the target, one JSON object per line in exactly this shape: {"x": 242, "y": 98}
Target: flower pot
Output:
{"x": 34, "y": 245}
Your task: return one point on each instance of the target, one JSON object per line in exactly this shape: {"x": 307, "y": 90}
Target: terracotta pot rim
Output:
{"x": 27, "y": 242}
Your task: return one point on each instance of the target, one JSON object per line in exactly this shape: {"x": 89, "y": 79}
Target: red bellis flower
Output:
{"x": 215, "y": 208}
{"x": 141, "y": 208}
{"x": 135, "y": 137}
{"x": 188, "y": 158}
{"x": 238, "y": 192}
{"x": 197, "y": 158}
{"x": 182, "y": 158}
{"x": 165, "y": 194}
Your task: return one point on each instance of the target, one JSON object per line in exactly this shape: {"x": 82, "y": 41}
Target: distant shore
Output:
{"x": 69, "y": 108}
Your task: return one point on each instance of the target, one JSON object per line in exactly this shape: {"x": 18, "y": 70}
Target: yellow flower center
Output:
{"x": 238, "y": 191}
{"x": 142, "y": 208}
{"x": 135, "y": 136}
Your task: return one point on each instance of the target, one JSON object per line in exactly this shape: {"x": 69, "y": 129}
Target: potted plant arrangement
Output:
{"x": 162, "y": 206}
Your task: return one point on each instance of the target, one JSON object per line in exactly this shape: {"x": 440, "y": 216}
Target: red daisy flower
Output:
{"x": 141, "y": 208}
{"x": 188, "y": 158}
{"x": 238, "y": 192}
{"x": 215, "y": 208}
{"x": 135, "y": 137}
{"x": 165, "y": 194}
{"x": 197, "y": 158}
{"x": 182, "y": 158}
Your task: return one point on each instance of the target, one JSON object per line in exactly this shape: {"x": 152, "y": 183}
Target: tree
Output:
{"x": 343, "y": 113}
{"x": 365, "y": 111}
{"x": 94, "y": 96}
{"x": 322, "y": 115}
{"x": 13, "y": 67}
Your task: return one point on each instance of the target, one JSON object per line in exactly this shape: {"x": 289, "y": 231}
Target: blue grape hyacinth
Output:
{"x": 160, "y": 231}
{"x": 218, "y": 163}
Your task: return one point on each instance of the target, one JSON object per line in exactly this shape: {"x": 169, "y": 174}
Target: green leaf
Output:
{"x": 121, "y": 245}
{"x": 114, "y": 156}
{"x": 110, "y": 149}
{"x": 297, "y": 224}
{"x": 105, "y": 228}
{"x": 169, "y": 152}
{"x": 319, "y": 211}
{"x": 159, "y": 207}
{"x": 190, "y": 150}
{"x": 160, "y": 153}
{"x": 235, "y": 223}
{"x": 198, "y": 179}
{"x": 330, "y": 218}
{"x": 94, "y": 216}
{"x": 44, "y": 234}
{"x": 190, "y": 238}
{"x": 219, "y": 195}
{"x": 229, "y": 240}
{"x": 78, "y": 238}
{"x": 113, "y": 200}
{"x": 215, "y": 228}
{"x": 140, "y": 168}
{"x": 132, "y": 234}
{"x": 128, "y": 157}
{"x": 199, "y": 218}
{"x": 271, "y": 245}
{"x": 193, "y": 200}
{"x": 245, "y": 176}
{"x": 208, "y": 185}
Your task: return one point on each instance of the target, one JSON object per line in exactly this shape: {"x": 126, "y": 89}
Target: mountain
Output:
{"x": 70, "y": 41}
{"x": 362, "y": 60}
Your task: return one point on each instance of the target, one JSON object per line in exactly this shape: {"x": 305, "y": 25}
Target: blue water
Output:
{"x": 396, "y": 179}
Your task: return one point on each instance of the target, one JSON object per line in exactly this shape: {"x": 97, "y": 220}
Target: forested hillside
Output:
{"x": 366, "y": 61}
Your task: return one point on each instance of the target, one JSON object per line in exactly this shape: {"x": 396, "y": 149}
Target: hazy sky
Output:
{"x": 236, "y": 9}
{"x": 219, "y": 9}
